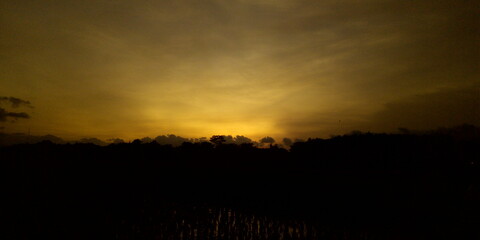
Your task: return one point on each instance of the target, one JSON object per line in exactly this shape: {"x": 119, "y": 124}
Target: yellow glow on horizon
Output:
{"x": 201, "y": 124}
{"x": 256, "y": 129}
{"x": 276, "y": 68}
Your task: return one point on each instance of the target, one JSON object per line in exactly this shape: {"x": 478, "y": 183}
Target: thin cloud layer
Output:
{"x": 15, "y": 102}
{"x": 5, "y": 115}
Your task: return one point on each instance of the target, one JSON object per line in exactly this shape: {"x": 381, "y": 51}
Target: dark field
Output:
{"x": 368, "y": 186}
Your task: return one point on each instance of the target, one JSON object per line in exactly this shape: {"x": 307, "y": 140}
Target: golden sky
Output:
{"x": 281, "y": 68}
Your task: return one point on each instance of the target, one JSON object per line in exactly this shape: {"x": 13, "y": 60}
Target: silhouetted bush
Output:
{"x": 364, "y": 179}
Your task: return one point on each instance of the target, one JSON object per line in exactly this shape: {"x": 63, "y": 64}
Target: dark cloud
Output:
{"x": 16, "y": 102}
{"x": 4, "y": 115}
{"x": 18, "y": 115}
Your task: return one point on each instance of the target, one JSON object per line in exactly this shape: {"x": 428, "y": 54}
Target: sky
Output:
{"x": 281, "y": 68}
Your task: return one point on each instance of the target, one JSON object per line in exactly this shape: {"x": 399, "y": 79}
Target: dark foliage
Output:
{"x": 366, "y": 186}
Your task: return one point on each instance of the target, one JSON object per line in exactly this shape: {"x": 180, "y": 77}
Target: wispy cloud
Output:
{"x": 15, "y": 102}
{"x": 4, "y": 115}
{"x": 278, "y": 68}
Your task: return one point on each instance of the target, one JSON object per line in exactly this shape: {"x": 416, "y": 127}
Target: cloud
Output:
{"x": 4, "y": 114}
{"x": 16, "y": 102}
{"x": 280, "y": 68}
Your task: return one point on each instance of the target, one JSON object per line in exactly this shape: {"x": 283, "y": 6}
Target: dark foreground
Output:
{"x": 352, "y": 187}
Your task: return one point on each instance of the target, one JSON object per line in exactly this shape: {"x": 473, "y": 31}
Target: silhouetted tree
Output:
{"x": 217, "y": 139}
{"x": 241, "y": 139}
{"x": 116, "y": 140}
{"x": 400, "y": 177}
{"x": 404, "y": 131}
{"x": 267, "y": 140}
{"x": 95, "y": 141}
{"x": 146, "y": 140}
{"x": 171, "y": 139}
{"x": 287, "y": 141}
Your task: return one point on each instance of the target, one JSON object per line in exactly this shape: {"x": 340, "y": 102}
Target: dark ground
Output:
{"x": 368, "y": 186}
